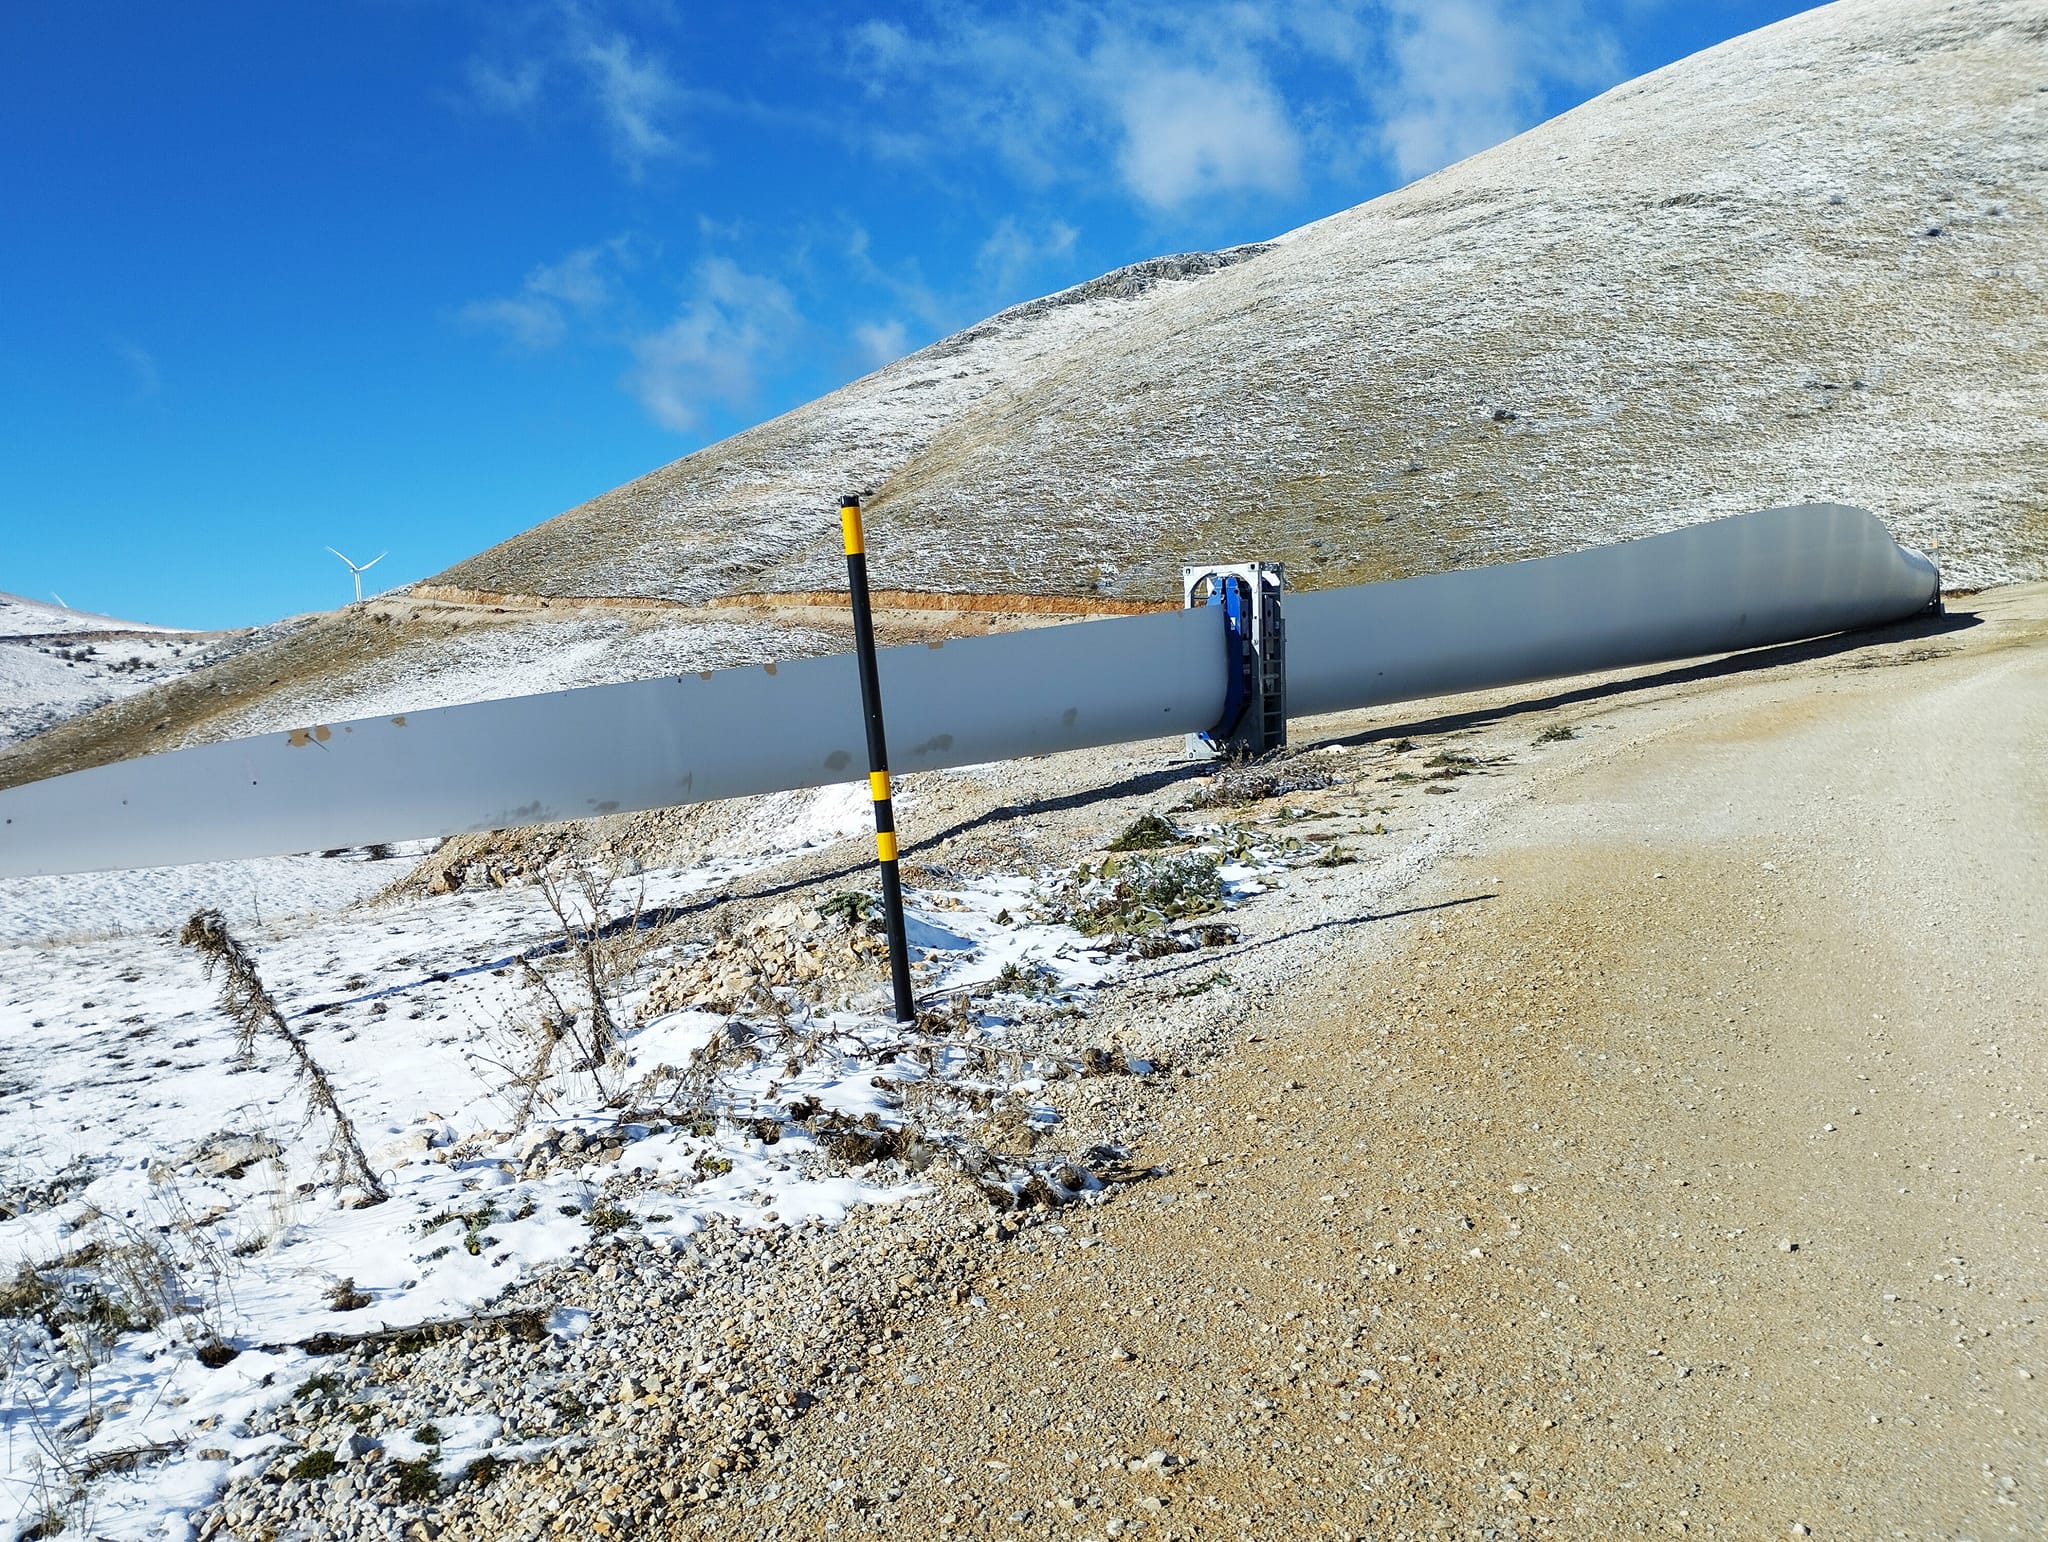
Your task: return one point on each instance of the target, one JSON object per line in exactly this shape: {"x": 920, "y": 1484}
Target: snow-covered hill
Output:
{"x": 56, "y": 662}
{"x": 22, "y": 617}
{"x": 1808, "y": 264}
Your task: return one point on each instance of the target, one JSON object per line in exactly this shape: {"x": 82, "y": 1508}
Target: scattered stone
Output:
{"x": 230, "y": 1155}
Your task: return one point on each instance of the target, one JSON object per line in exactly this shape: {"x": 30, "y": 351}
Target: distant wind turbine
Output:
{"x": 360, "y": 568}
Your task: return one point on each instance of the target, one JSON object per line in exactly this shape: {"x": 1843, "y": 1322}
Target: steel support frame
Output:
{"x": 1254, "y": 719}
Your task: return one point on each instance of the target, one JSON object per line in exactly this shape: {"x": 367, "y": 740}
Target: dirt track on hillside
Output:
{"x": 1672, "y": 1166}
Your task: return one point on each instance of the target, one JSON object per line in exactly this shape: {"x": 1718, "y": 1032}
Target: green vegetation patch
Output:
{"x": 1144, "y": 892}
{"x": 1027, "y": 980}
{"x": 1148, "y": 832}
{"x": 315, "y": 1464}
{"x": 417, "y": 1480}
{"x": 474, "y": 1241}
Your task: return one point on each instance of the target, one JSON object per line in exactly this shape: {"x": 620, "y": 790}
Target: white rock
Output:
{"x": 409, "y": 1147}
{"x": 221, "y": 1154}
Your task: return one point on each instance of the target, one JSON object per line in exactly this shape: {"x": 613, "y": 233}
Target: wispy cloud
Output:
{"x": 903, "y": 282}
{"x": 508, "y": 87}
{"x": 1014, "y": 254}
{"x": 636, "y": 95}
{"x": 712, "y": 353}
{"x": 1467, "y": 74}
{"x": 881, "y": 342}
{"x": 563, "y": 51}
{"x": 581, "y": 285}
{"x": 525, "y": 322}
{"x": 141, "y": 364}
{"x": 1176, "y": 101}
{"x": 1216, "y": 100}
{"x": 585, "y": 278}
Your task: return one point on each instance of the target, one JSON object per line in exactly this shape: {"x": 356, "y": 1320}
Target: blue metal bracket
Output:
{"x": 1254, "y": 718}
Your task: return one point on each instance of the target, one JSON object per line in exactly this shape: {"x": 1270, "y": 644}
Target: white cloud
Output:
{"x": 579, "y": 286}
{"x": 1178, "y": 102}
{"x": 578, "y": 279}
{"x": 1212, "y": 100}
{"x": 1191, "y": 135}
{"x": 524, "y": 321}
{"x": 558, "y": 51}
{"x": 1011, "y": 254}
{"x": 905, "y": 283}
{"x": 141, "y": 365}
{"x": 877, "y": 48}
{"x": 509, "y": 88}
{"x": 710, "y": 354}
{"x": 881, "y": 342}
{"x": 635, "y": 93}
{"x": 1467, "y": 74}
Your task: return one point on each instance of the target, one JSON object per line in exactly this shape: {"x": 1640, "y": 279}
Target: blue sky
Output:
{"x": 418, "y": 274}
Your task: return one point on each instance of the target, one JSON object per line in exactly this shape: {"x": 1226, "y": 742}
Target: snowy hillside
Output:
{"x": 1808, "y": 264}
{"x": 21, "y": 617}
{"x": 56, "y": 663}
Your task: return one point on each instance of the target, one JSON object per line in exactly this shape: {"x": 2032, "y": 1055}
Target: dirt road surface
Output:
{"x": 1669, "y": 1161}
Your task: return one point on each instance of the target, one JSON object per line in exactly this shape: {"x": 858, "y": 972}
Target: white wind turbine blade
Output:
{"x": 614, "y": 748}
{"x": 360, "y": 568}
{"x": 1746, "y": 582}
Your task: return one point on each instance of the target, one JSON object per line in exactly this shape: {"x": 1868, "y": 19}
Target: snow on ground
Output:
{"x": 44, "y": 680}
{"x": 163, "y": 1194}
{"x": 56, "y": 663}
{"x": 23, "y": 617}
{"x": 268, "y": 889}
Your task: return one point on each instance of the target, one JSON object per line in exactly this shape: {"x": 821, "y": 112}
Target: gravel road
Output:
{"x": 1672, "y": 1165}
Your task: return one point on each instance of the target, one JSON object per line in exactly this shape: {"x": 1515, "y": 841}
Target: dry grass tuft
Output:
{"x": 246, "y": 999}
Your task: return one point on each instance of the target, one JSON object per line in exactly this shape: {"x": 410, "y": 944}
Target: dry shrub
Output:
{"x": 245, "y": 998}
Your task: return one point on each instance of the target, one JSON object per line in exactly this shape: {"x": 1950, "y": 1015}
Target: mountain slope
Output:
{"x": 1806, "y": 264}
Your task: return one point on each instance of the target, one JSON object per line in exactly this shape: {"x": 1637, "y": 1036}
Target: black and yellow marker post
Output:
{"x": 878, "y": 755}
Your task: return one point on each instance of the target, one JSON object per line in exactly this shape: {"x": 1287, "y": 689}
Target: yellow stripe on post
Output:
{"x": 885, "y": 845}
{"x": 849, "y": 526}
{"x": 878, "y": 786}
